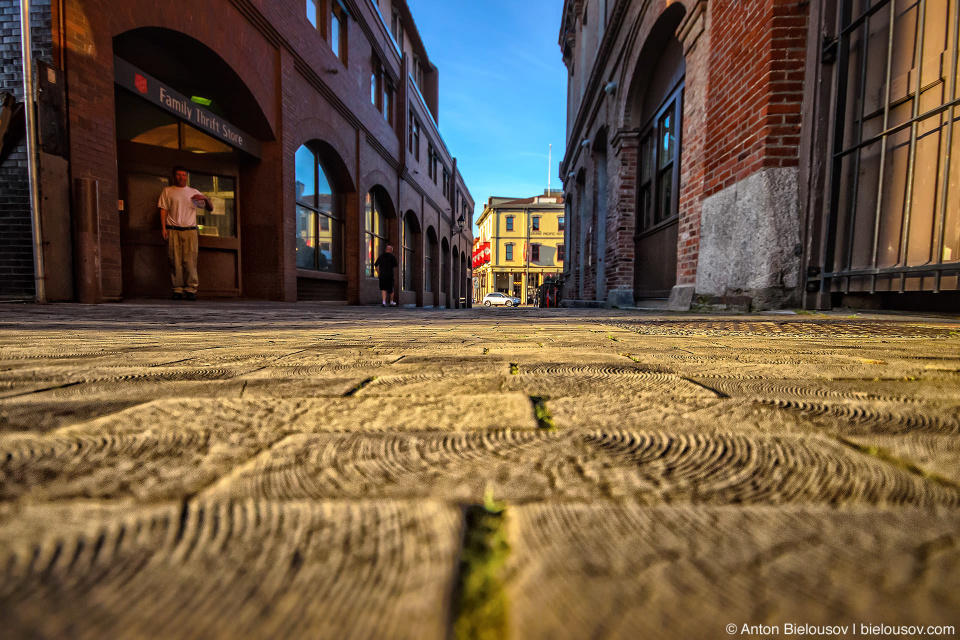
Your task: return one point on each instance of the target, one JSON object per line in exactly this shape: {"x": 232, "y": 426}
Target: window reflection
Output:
{"x": 376, "y": 230}
{"x": 221, "y": 190}
{"x": 319, "y": 221}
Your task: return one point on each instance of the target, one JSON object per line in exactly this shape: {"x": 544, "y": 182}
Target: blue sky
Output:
{"x": 503, "y": 90}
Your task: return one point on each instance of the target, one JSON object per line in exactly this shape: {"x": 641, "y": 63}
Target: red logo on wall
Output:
{"x": 141, "y": 83}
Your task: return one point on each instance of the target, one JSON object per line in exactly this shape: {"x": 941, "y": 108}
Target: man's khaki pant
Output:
{"x": 182, "y": 247}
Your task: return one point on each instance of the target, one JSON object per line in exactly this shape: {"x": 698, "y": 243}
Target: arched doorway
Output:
{"x": 600, "y": 209}
{"x": 455, "y": 282}
{"x": 380, "y": 230}
{"x": 464, "y": 281}
{"x": 445, "y": 274}
{"x": 431, "y": 270}
{"x": 179, "y": 103}
{"x": 411, "y": 260}
{"x": 655, "y": 108}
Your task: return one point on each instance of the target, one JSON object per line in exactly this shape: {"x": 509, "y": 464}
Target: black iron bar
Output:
{"x": 900, "y": 127}
{"x": 945, "y": 167}
{"x": 896, "y": 271}
{"x": 830, "y": 226}
{"x": 854, "y": 205}
{"x": 911, "y": 162}
{"x": 856, "y": 22}
{"x": 883, "y": 148}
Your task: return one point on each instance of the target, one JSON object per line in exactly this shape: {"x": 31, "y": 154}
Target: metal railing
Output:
{"x": 882, "y": 225}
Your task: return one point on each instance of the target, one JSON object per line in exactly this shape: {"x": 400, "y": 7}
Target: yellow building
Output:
{"x": 520, "y": 245}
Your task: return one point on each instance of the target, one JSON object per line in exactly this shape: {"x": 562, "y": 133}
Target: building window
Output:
{"x": 312, "y": 12}
{"x": 431, "y": 162}
{"x": 381, "y": 91}
{"x": 446, "y": 183}
{"x": 535, "y": 224}
{"x": 396, "y": 29}
{"x": 508, "y": 248}
{"x": 417, "y": 72}
{"x": 535, "y": 253}
{"x": 414, "y": 141}
{"x": 319, "y": 216}
{"x": 338, "y": 31}
{"x": 376, "y": 230}
{"x": 388, "y": 93}
{"x": 509, "y": 223}
{"x": 560, "y": 224}
{"x": 560, "y": 253}
{"x": 407, "y": 242}
{"x": 659, "y": 167}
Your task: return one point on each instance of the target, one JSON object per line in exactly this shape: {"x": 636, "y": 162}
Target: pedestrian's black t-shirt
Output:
{"x": 385, "y": 265}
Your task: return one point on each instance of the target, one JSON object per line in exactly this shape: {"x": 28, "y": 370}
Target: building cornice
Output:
{"x": 593, "y": 96}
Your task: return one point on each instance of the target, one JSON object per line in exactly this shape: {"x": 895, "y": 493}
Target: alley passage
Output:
{"x": 256, "y": 471}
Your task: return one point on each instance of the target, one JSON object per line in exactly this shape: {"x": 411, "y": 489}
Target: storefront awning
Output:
{"x": 149, "y": 88}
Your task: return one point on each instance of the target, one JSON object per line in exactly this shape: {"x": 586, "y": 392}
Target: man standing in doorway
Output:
{"x": 178, "y": 220}
{"x": 385, "y": 265}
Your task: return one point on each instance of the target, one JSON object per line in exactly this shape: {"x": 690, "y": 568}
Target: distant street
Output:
{"x": 250, "y": 470}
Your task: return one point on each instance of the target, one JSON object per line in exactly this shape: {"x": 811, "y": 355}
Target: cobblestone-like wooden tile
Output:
{"x": 228, "y": 570}
{"x": 262, "y": 470}
{"x": 630, "y": 571}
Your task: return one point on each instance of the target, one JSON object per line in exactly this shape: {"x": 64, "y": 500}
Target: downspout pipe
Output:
{"x": 29, "y": 103}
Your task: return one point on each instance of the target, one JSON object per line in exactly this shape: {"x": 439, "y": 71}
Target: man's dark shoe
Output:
{"x": 190, "y": 295}
{"x": 177, "y": 296}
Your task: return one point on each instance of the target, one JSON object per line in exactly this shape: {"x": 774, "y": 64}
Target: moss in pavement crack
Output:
{"x": 542, "y": 413}
{"x": 883, "y": 454}
{"x": 480, "y": 601}
{"x": 359, "y": 387}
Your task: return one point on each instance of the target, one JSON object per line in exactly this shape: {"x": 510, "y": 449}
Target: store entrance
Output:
{"x": 143, "y": 173}
{"x": 150, "y": 143}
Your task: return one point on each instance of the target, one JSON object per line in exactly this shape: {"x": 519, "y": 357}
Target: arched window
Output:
{"x": 319, "y": 216}
{"x": 409, "y": 244}
{"x": 377, "y": 238}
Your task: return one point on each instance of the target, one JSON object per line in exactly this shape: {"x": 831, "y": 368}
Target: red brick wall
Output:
{"x": 304, "y": 92}
{"x": 756, "y": 63}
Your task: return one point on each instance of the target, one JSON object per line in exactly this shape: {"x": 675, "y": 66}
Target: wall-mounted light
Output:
{"x": 610, "y": 87}
{"x": 458, "y": 228}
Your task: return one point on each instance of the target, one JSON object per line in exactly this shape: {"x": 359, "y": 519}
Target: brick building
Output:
{"x": 762, "y": 154}
{"x": 311, "y": 124}
{"x": 522, "y": 243}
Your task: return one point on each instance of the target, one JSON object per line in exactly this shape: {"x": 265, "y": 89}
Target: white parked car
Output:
{"x": 500, "y": 299}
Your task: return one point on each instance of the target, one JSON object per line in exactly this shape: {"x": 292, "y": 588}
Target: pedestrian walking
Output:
{"x": 178, "y": 221}
{"x": 385, "y": 266}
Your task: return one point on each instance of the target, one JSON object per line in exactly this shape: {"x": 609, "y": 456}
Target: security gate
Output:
{"x": 894, "y": 196}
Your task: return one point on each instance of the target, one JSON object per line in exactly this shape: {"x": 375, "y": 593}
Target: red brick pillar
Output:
{"x": 623, "y": 209}
{"x": 694, "y": 35}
